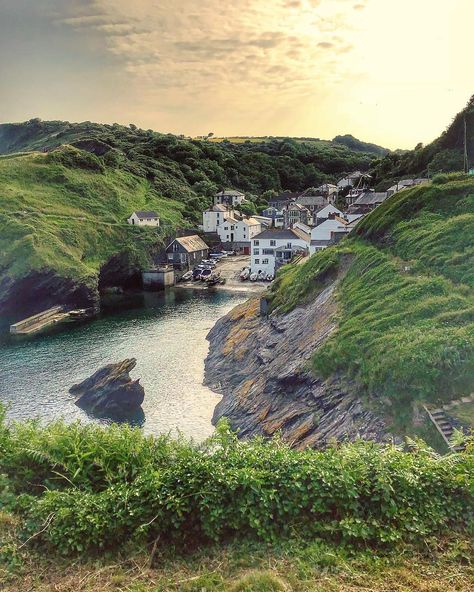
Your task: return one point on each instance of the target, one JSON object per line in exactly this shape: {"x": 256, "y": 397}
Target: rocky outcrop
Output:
{"x": 262, "y": 367}
{"x": 110, "y": 392}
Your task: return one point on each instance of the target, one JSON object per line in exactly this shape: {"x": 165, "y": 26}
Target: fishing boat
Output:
{"x": 244, "y": 274}
{"x": 206, "y": 274}
{"x": 253, "y": 276}
{"x": 187, "y": 276}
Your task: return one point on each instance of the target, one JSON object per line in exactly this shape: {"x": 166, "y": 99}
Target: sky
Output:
{"x": 393, "y": 72}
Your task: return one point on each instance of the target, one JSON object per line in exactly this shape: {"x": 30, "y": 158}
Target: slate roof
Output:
{"x": 312, "y": 200}
{"x": 370, "y": 198}
{"x": 281, "y": 233}
{"x": 146, "y": 214}
{"x": 192, "y": 243}
{"x": 229, "y": 192}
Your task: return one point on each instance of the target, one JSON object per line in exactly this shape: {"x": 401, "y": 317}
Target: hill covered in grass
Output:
{"x": 405, "y": 320}
{"x": 63, "y": 220}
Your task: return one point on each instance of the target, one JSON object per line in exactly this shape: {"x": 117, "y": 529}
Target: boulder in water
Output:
{"x": 110, "y": 392}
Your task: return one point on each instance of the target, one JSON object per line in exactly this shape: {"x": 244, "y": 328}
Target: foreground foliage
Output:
{"x": 83, "y": 488}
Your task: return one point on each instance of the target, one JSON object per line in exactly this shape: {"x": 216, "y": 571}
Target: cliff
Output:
{"x": 261, "y": 365}
{"x": 362, "y": 336}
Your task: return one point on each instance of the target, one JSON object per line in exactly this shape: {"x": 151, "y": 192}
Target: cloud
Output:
{"x": 216, "y": 54}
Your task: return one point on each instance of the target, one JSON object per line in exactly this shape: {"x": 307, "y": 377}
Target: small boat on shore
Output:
{"x": 187, "y": 276}
{"x": 244, "y": 274}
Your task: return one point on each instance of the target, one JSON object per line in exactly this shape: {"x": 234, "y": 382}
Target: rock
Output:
{"x": 261, "y": 365}
{"x": 110, "y": 392}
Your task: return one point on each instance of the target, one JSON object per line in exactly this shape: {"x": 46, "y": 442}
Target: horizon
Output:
{"x": 290, "y": 68}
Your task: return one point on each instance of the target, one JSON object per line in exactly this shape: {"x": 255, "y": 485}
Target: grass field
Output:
{"x": 71, "y": 219}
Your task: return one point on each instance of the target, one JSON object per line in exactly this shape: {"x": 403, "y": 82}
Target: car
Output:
{"x": 230, "y": 253}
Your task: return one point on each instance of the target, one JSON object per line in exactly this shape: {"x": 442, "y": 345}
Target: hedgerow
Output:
{"x": 96, "y": 488}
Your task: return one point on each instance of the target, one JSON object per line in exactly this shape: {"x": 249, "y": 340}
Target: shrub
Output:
{"x": 159, "y": 488}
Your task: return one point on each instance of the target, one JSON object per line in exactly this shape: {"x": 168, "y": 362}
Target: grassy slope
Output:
{"x": 70, "y": 219}
{"x": 406, "y": 325}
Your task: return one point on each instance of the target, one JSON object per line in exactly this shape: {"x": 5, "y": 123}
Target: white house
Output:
{"x": 229, "y": 197}
{"x": 404, "y": 184}
{"x": 324, "y": 213}
{"x": 142, "y": 218}
{"x": 275, "y": 247}
{"x": 214, "y": 216}
{"x": 331, "y": 231}
{"x": 239, "y": 232}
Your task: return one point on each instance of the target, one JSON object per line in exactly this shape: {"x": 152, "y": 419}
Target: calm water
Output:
{"x": 165, "y": 332}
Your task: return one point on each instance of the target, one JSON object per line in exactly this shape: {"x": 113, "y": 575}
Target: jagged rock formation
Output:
{"x": 110, "y": 392}
{"x": 262, "y": 368}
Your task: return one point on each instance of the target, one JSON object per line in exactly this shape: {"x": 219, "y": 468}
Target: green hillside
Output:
{"x": 65, "y": 212}
{"x": 406, "y": 303}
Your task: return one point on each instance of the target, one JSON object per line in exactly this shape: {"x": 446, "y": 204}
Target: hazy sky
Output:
{"x": 389, "y": 71}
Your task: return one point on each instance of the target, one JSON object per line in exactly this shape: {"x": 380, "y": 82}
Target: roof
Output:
{"x": 324, "y": 212}
{"x": 229, "y": 192}
{"x": 312, "y": 200}
{"x": 281, "y": 233}
{"x": 191, "y": 243}
{"x": 297, "y": 206}
{"x": 219, "y": 208}
{"x": 146, "y": 214}
{"x": 371, "y": 198}
{"x": 251, "y": 221}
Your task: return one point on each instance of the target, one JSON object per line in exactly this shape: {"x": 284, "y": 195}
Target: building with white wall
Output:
{"x": 215, "y": 215}
{"x": 229, "y": 197}
{"x": 144, "y": 218}
{"x": 276, "y": 246}
{"x": 331, "y": 231}
{"x": 239, "y": 232}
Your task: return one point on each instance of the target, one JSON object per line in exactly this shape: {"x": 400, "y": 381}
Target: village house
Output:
{"x": 295, "y": 212}
{"x": 367, "y": 202}
{"x": 144, "y": 218}
{"x": 275, "y": 247}
{"x": 331, "y": 232}
{"x": 323, "y": 214}
{"x": 187, "y": 251}
{"x": 212, "y": 217}
{"x": 238, "y": 233}
{"x": 276, "y": 216}
{"x": 229, "y": 197}
{"x": 280, "y": 201}
{"x": 329, "y": 191}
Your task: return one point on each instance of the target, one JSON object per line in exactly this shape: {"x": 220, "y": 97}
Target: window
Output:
{"x": 176, "y": 247}
{"x": 226, "y": 228}
{"x": 256, "y": 251}
{"x": 288, "y": 245}
{"x": 267, "y": 251}
{"x": 255, "y": 243}
{"x": 257, "y": 261}
{"x": 264, "y": 261}
{"x": 273, "y": 243}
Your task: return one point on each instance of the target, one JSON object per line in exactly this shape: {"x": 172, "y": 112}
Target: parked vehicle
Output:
{"x": 216, "y": 255}
{"x": 209, "y": 262}
{"x": 231, "y": 253}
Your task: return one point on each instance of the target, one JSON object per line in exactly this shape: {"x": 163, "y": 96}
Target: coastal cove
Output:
{"x": 165, "y": 331}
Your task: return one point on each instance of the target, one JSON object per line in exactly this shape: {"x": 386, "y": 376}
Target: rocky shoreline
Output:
{"x": 261, "y": 366}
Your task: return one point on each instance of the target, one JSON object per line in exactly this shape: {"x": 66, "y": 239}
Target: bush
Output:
{"x": 115, "y": 485}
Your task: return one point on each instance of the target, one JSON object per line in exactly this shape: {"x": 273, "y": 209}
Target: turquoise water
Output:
{"x": 165, "y": 331}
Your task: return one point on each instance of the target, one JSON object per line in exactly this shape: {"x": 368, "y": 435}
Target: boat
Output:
{"x": 197, "y": 274}
{"x": 214, "y": 279}
{"x": 253, "y": 276}
{"x": 244, "y": 274}
{"x": 206, "y": 274}
{"x": 261, "y": 276}
{"x": 269, "y": 277}
{"x": 187, "y": 276}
